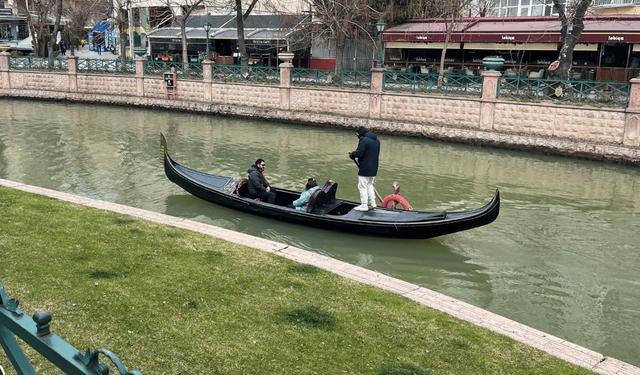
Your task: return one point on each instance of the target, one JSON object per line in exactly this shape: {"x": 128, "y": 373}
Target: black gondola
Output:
{"x": 325, "y": 210}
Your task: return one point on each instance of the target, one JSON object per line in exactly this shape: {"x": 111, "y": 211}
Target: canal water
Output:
{"x": 562, "y": 256}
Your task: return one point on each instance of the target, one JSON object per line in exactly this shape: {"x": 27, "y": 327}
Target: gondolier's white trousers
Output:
{"x": 367, "y": 194}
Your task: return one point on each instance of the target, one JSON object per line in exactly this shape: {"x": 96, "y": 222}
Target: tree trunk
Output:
{"x": 340, "y": 43}
{"x": 242, "y": 47}
{"x": 123, "y": 42}
{"x": 570, "y": 37}
{"x": 183, "y": 28}
{"x": 56, "y": 28}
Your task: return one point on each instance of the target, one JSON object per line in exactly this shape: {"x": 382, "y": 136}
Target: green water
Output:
{"x": 562, "y": 256}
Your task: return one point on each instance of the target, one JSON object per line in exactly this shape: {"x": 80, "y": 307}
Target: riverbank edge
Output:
{"x": 541, "y": 145}
{"x": 555, "y": 346}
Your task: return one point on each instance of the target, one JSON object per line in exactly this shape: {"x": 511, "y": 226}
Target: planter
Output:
{"x": 4, "y": 47}
{"x": 286, "y": 57}
{"x": 140, "y": 51}
{"x": 492, "y": 64}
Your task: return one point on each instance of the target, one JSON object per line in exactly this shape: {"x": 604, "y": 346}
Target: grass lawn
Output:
{"x": 171, "y": 301}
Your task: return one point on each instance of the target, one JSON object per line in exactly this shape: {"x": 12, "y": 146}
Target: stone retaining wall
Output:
{"x": 586, "y": 132}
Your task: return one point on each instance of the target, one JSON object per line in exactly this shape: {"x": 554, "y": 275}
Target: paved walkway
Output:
{"x": 84, "y": 53}
{"x": 553, "y": 345}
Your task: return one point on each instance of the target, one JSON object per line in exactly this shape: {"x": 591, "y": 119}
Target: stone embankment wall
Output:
{"x": 593, "y": 133}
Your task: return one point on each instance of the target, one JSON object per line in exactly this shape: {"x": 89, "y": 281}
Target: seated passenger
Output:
{"x": 257, "y": 185}
{"x": 300, "y": 204}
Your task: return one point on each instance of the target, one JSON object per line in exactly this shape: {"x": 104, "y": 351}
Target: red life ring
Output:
{"x": 390, "y": 201}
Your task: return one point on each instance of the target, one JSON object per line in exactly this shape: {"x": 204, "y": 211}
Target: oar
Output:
{"x": 374, "y": 189}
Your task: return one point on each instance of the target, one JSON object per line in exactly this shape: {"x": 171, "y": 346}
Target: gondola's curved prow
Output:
{"x": 164, "y": 144}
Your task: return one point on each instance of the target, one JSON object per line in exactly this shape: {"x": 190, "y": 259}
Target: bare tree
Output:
{"x": 241, "y": 16}
{"x": 82, "y": 13}
{"x": 452, "y": 14}
{"x": 572, "y": 25}
{"x": 181, "y": 10}
{"x": 338, "y": 20}
{"x": 37, "y": 12}
{"x": 56, "y": 27}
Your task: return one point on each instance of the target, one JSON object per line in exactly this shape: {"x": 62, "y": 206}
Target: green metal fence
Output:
{"x": 433, "y": 83}
{"x": 571, "y": 92}
{"x": 343, "y": 79}
{"x": 38, "y": 63}
{"x": 98, "y": 66}
{"x": 264, "y": 75}
{"x": 183, "y": 70}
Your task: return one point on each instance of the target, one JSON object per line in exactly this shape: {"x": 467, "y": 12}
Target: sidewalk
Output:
{"x": 84, "y": 53}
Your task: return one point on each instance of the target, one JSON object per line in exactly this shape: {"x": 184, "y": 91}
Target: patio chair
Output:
{"x": 424, "y": 69}
{"x": 510, "y": 73}
{"x": 537, "y": 74}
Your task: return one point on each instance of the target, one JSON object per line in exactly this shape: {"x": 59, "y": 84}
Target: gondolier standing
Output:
{"x": 258, "y": 186}
{"x": 368, "y": 153}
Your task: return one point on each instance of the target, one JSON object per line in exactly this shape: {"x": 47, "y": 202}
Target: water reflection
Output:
{"x": 561, "y": 257}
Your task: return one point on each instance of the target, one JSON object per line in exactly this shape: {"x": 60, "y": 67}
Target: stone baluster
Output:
{"x": 285, "y": 80}
{"x": 375, "y": 104}
{"x": 4, "y": 69}
{"x": 207, "y": 69}
{"x": 139, "y": 76}
{"x": 632, "y": 124}
{"x": 73, "y": 73}
{"x": 285, "y": 86}
{"x": 489, "y": 98}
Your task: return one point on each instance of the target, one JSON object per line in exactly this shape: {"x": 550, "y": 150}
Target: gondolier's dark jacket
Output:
{"x": 257, "y": 182}
{"x": 367, "y": 153}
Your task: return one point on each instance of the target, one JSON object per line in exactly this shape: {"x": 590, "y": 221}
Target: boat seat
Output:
{"x": 242, "y": 191}
{"x": 317, "y": 199}
{"x": 330, "y": 189}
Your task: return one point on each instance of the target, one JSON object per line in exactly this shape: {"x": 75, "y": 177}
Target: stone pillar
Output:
{"x": 285, "y": 85}
{"x": 73, "y": 73}
{"x": 4, "y": 69}
{"x": 207, "y": 78}
{"x": 139, "y": 76}
{"x": 488, "y": 100}
{"x": 375, "y": 104}
{"x": 632, "y": 124}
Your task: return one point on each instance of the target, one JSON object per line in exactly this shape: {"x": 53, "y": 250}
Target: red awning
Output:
{"x": 625, "y": 29}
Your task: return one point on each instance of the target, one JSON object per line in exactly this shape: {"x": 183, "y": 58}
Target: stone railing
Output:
{"x": 397, "y": 112}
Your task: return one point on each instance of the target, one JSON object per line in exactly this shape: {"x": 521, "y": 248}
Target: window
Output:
{"x": 523, "y": 8}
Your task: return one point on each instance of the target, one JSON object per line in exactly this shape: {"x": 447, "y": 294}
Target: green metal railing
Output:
{"x": 98, "y": 66}
{"x": 35, "y": 332}
{"x": 571, "y": 92}
{"x": 433, "y": 83}
{"x": 264, "y": 75}
{"x": 342, "y": 79}
{"x": 183, "y": 70}
{"x": 38, "y": 63}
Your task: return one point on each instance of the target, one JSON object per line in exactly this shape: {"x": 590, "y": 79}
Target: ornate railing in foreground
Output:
{"x": 571, "y": 92}
{"x": 183, "y": 70}
{"x": 262, "y": 75}
{"x": 99, "y": 66}
{"x": 419, "y": 83}
{"x": 35, "y": 332}
{"x": 38, "y": 63}
{"x": 342, "y": 79}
